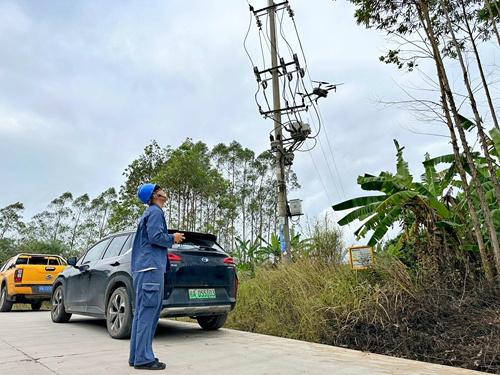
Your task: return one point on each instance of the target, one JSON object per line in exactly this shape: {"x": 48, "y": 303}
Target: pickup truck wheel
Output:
{"x": 119, "y": 314}
{"x": 35, "y": 306}
{"x": 57, "y": 311}
{"x": 5, "y": 304}
{"x": 211, "y": 323}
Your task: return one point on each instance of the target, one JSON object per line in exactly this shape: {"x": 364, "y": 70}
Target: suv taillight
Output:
{"x": 18, "y": 276}
{"x": 229, "y": 261}
{"x": 174, "y": 257}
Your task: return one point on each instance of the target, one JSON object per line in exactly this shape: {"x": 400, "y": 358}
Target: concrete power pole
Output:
{"x": 280, "y": 166}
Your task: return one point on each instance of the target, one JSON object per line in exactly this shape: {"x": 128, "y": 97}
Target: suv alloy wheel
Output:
{"x": 57, "y": 311}
{"x": 119, "y": 314}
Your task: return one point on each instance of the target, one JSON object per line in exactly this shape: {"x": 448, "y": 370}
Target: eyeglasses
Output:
{"x": 161, "y": 196}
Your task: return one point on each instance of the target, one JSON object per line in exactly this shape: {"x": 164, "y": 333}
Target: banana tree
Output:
{"x": 413, "y": 204}
{"x": 245, "y": 253}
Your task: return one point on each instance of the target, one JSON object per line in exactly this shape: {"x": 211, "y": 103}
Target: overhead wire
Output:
{"x": 318, "y": 111}
{"x": 297, "y": 113}
{"x": 289, "y": 95}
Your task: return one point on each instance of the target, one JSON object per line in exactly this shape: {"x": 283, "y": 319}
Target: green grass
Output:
{"x": 305, "y": 300}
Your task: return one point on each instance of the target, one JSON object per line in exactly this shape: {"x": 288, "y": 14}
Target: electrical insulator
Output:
{"x": 288, "y": 158}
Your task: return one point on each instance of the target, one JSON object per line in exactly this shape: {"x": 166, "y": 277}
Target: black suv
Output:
{"x": 201, "y": 283}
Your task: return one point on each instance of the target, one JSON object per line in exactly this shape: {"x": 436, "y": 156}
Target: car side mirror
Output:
{"x": 72, "y": 261}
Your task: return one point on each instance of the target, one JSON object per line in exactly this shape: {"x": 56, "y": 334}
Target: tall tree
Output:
{"x": 11, "y": 219}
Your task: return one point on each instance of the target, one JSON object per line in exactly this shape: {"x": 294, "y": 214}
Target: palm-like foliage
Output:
{"x": 403, "y": 200}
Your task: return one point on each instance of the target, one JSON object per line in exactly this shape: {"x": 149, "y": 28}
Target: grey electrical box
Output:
{"x": 295, "y": 207}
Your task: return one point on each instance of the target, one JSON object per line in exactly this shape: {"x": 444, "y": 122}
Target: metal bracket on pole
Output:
{"x": 276, "y": 7}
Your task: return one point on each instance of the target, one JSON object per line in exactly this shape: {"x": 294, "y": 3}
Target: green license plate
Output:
{"x": 201, "y": 293}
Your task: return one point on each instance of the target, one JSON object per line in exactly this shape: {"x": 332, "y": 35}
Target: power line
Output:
{"x": 318, "y": 110}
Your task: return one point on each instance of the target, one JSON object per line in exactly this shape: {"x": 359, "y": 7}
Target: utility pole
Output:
{"x": 280, "y": 165}
{"x": 283, "y": 146}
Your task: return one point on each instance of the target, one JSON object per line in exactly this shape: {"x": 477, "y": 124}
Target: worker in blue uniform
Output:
{"x": 149, "y": 264}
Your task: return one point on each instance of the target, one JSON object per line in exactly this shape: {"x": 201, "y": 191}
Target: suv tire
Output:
{"x": 5, "y": 304}
{"x": 119, "y": 314}
{"x": 35, "y": 306}
{"x": 57, "y": 311}
{"x": 211, "y": 323}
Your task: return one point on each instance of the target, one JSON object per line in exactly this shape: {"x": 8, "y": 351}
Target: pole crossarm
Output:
{"x": 286, "y": 110}
{"x": 264, "y": 10}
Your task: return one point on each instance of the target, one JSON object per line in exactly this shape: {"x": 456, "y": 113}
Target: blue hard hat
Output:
{"x": 145, "y": 191}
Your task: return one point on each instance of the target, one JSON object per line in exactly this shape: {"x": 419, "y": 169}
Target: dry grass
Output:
{"x": 380, "y": 310}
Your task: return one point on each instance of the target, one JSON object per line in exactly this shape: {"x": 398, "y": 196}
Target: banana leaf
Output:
{"x": 370, "y": 224}
{"x": 385, "y": 184}
{"x": 439, "y": 207}
{"x": 402, "y": 165}
{"x": 466, "y": 123}
{"x": 495, "y": 137}
{"x": 397, "y": 199}
{"x": 471, "y": 248}
{"x": 357, "y": 202}
{"x": 496, "y": 218}
{"x": 359, "y": 213}
{"x": 449, "y": 158}
{"x": 449, "y": 224}
{"x": 422, "y": 190}
{"x": 384, "y": 225}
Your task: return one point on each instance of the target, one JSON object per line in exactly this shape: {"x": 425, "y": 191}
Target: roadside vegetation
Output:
{"x": 430, "y": 296}
{"x": 384, "y": 310}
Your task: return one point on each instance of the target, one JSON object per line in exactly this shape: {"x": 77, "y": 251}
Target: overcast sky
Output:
{"x": 86, "y": 85}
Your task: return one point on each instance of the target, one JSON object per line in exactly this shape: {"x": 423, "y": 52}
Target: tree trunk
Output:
{"x": 479, "y": 126}
{"x": 492, "y": 19}
{"x": 444, "y": 95}
{"x": 480, "y": 66}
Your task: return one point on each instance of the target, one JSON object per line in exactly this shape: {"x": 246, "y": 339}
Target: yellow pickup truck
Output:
{"x": 28, "y": 278}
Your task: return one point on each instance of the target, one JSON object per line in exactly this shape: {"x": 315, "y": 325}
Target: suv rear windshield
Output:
{"x": 199, "y": 243}
{"x": 42, "y": 261}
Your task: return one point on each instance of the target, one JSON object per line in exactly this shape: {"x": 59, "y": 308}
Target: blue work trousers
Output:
{"x": 148, "y": 287}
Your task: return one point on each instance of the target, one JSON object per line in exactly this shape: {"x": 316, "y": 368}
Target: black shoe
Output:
{"x": 132, "y": 365}
{"x": 151, "y": 366}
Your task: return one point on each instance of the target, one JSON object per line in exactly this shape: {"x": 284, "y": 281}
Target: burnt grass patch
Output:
{"x": 442, "y": 327}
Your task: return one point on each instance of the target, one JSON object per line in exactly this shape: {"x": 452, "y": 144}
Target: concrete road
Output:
{"x": 31, "y": 344}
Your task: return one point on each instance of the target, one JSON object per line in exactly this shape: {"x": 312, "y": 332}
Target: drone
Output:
{"x": 321, "y": 92}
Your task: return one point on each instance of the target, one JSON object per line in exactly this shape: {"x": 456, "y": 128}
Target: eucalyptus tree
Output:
{"x": 143, "y": 169}
{"x": 79, "y": 209}
{"x": 11, "y": 219}
{"x": 128, "y": 209}
{"x": 100, "y": 210}
{"x": 186, "y": 176}
{"x": 40, "y": 227}
{"x": 227, "y": 161}
{"x": 60, "y": 212}
{"x": 262, "y": 205}
{"x": 50, "y": 224}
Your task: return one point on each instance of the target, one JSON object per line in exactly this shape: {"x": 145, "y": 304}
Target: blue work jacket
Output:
{"x": 151, "y": 241}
